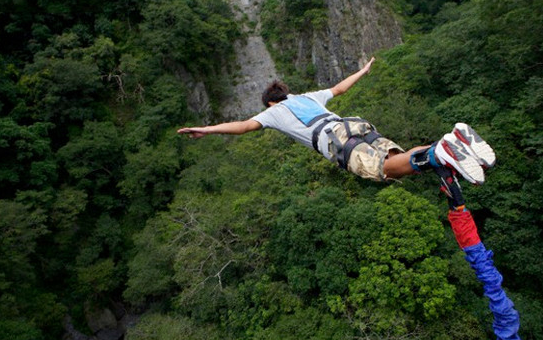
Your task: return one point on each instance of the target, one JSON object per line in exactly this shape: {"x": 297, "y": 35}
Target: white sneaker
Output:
{"x": 476, "y": 146}
{"x": 451, "y": 152}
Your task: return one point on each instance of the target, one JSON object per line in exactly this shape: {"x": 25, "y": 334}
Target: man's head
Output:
{"x": 274, "y": 93}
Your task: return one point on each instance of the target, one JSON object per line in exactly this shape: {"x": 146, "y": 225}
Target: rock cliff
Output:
{"x": 354, "y": 31}
{"x": 255, "y": 68}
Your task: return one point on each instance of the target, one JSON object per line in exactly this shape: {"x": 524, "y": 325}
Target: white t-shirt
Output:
{"x": 303, "y": 116}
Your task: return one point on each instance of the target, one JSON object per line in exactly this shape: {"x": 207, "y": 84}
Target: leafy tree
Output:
{"x": 307, "y": 323}
{"x": 94, "y": 160}
{"x": 103, "y": 53}
{"x": 150, "y": 273}
{"x": 150, "y": 178}
{"x": 400, "y": 281}
{"x": 9, "y": 91}
{"x": 258, "y": 304}
{"x": 164, "y": 327}
{"x": 97, "y": 278}
{"x": 27, "y": 161}
{"x": 60, "y": 91}
{"x": 98, "y": 267}
{"x": 19, "y": 330}
{"x": 188, "y": 32}
{"x": 314, "y": 242}
{"x": 56, "y": 248}
{"x": 165, "y": 106}
{"x": 20, "y": 229}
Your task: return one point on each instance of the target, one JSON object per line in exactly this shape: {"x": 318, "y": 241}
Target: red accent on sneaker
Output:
{"x": 448, "y": 150}
{"x": 461, "y": 137}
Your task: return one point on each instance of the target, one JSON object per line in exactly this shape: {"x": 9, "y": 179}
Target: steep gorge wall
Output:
{"x": 255, "y": 67}
{"x": 354, "y": 31}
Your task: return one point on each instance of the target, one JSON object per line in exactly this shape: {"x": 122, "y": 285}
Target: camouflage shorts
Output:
{"x": 366, "y": 160}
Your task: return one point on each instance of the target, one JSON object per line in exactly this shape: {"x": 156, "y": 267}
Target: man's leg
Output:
{"x": 398, "y": 164}
{"x": 423, "y": 158}
{"x": 457, "y": 153}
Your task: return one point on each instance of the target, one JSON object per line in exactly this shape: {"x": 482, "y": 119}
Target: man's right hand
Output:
{"x": 348, "y": 82}
{"x": 232, "y": 128}
{"x": 366, "y": 68}
{"x": 193, "y": 132}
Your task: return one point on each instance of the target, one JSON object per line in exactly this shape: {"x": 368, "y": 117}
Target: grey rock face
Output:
{"x": 355, "y": 30}
{"x": 255, "y": 68}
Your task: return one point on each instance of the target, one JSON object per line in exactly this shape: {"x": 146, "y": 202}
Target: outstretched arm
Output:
{"x": 346, "y": 83}
{"x": 232, "y": 128}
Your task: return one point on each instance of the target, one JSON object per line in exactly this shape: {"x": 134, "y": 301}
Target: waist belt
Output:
{"x": 344, "y": 150}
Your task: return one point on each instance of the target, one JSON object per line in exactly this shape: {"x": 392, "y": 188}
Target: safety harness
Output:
{"x": 366, "y": 134}
{"x": 318, "y": 129}
{"x": 309, "y": 112}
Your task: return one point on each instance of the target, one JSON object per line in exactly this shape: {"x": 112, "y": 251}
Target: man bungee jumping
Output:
{"x": 352, "y": 142}
{"x": 355, "y": 145}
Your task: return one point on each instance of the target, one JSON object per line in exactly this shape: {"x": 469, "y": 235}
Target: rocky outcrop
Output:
{"x": 103, "y": 323}
{"x": 355, "y": 30}
{"x": 254, "y": 66}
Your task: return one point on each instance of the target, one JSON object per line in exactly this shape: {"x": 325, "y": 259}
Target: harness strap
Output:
{"x": 345, "y": 154}
{"x": 317, "y": 132}
{"x": 335, "y": 140}
{"x": 347, "y": 128}
{"x": 371, "y": 136}
{"x": 318, "y": 129}
{"x": 355, "y": 119}
{"x": 344, "y": 151}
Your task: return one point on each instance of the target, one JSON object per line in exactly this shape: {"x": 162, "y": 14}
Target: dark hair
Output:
{"x": 275, "y": 92}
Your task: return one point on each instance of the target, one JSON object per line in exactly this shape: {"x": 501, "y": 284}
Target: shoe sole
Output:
{"x": 475, "y": 145}
{"x": 453, "y": 153}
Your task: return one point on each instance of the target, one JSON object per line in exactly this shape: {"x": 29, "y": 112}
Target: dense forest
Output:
{"x": 104, "y": 208}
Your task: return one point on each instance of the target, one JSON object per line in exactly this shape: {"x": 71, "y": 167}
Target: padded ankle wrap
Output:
{"x": 425, "y": 159}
